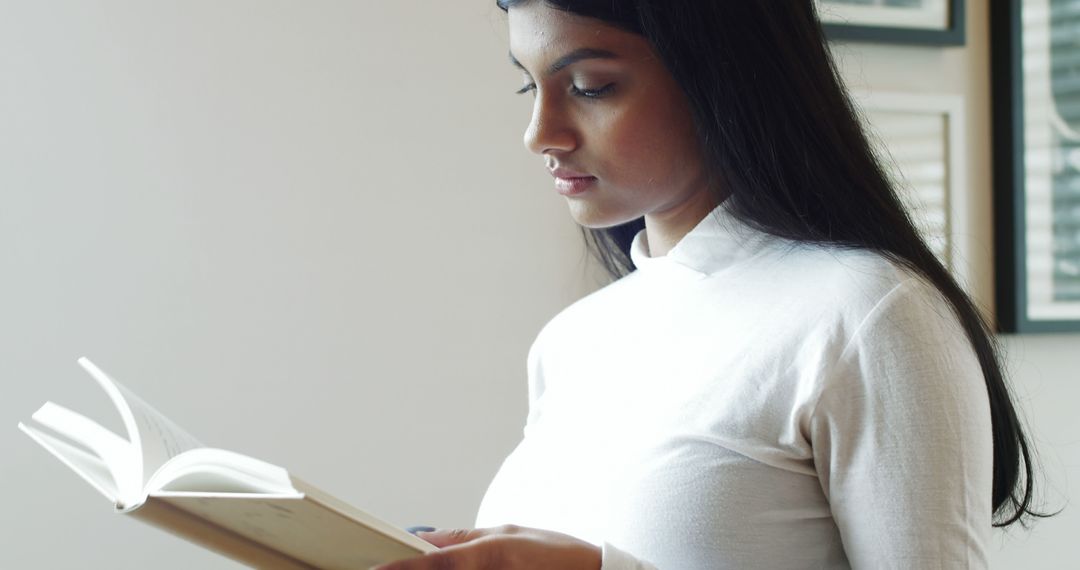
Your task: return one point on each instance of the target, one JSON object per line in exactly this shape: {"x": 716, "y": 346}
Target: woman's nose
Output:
{"x": 550, "y": 128}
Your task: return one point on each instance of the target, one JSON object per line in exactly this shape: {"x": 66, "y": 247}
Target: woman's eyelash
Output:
{"x": 586, "y": 93}
{"x": 593, "y": 93}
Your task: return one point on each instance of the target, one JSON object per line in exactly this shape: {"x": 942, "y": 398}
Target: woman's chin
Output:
{"x": 594, "y": 217}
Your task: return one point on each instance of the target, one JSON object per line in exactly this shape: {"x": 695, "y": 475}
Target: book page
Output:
{"x": 157, "y": 437}
{"x": 115, "y": 453}
{"x": 92, "y": 469}
{"x": 210, "y": 470}
{"x": 161, "y": 438}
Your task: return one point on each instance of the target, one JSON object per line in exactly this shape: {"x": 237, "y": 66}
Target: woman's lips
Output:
{"x": 570, "y": 182}
{"x": 573, "y": 186}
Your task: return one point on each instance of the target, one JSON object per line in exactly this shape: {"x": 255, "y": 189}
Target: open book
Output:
{"x": 243, "y": 508}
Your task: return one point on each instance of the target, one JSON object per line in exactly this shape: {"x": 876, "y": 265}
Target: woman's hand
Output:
{"x": 506, "y": 547}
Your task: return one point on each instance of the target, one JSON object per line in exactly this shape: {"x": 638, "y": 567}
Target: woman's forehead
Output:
{"x": 541, "y": 32}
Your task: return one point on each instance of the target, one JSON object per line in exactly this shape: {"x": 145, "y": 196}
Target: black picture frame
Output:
{"x": 1010, "y": 177}
{"x": 954, "y": 35}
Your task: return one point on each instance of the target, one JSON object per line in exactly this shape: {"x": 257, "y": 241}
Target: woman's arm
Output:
{"x": 902, "y": 439}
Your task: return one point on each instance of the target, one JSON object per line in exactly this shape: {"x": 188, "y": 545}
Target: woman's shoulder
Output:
{"x": 865, "y": 286}
{"x": 836, "y": 265}
{"x": 852, "y": 278}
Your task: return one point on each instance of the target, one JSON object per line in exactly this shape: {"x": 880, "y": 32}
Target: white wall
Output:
{"x": 310, "y": 232}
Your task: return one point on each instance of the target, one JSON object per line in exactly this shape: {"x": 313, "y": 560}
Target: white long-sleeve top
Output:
{"x": 749, "y": 402}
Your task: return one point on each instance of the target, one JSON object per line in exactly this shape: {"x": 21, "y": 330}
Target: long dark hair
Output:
{"x": 780, "y": 136}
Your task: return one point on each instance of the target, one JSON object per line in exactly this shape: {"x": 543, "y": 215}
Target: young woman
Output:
{"x": 781, "y": 374}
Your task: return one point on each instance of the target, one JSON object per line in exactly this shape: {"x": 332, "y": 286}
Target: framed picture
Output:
{"x": 920, "y": 22}
{"x": 920, "y": 139}
{"x": 1035, "y": 51}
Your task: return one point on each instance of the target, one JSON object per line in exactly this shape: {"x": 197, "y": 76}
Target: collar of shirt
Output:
{"x": 718, "y": 241}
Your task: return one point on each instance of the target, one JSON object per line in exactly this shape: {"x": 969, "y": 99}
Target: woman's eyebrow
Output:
{"x": 572, "y": 57}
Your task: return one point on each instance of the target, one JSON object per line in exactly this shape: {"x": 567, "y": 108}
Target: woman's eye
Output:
{"x": 578, "y": 91}
{"x": 592, "y": 93}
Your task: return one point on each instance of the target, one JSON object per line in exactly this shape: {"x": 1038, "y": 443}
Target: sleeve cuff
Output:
{"x": 612, "y": 558}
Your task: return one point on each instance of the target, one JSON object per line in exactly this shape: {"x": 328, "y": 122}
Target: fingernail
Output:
{"x": 416, "y": 529}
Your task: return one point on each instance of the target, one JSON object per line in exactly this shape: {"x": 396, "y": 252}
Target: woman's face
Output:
{"x": 610, "y": 111}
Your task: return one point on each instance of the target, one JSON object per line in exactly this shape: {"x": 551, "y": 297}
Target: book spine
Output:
{"x": 213, "y": 537}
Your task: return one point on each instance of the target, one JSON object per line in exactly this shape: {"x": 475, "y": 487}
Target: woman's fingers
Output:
{"x": 506, "y": 547}
{"x": 449, "y": 537}
{"x": 476, "y": 555}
